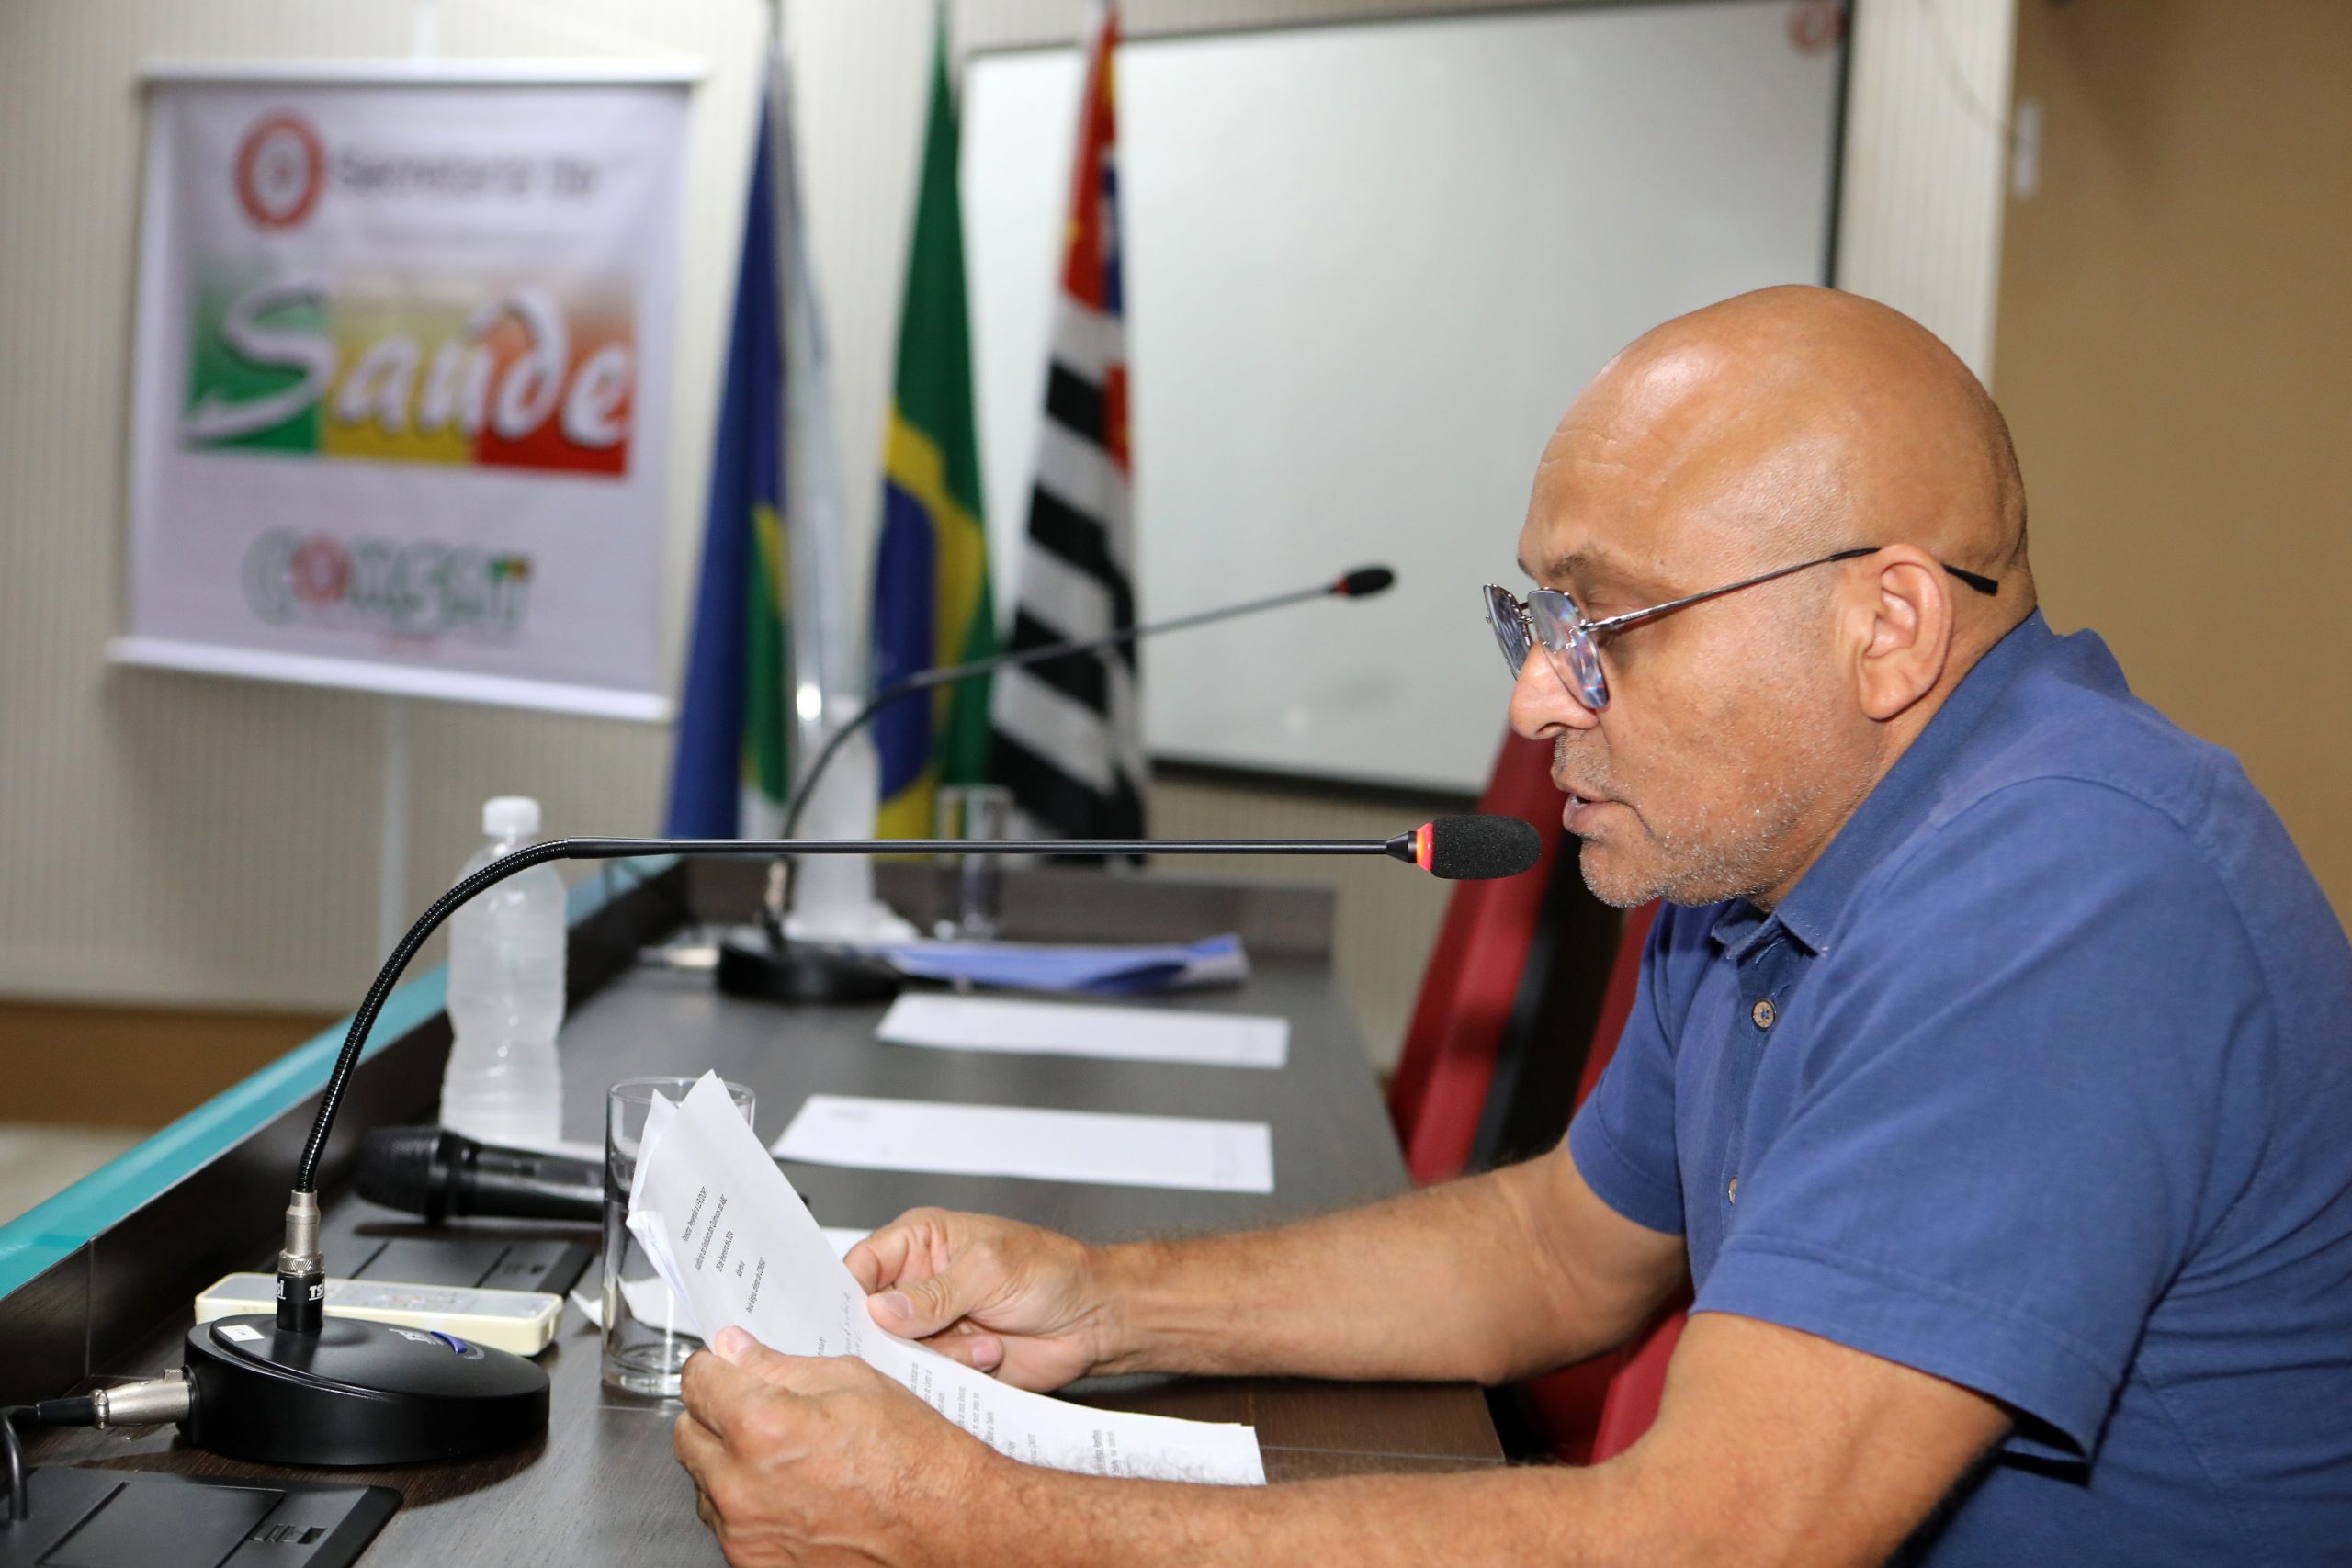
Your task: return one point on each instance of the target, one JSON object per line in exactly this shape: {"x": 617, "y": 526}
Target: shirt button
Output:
{"x": 1763, "y": 1015}
{"x": 1731, "y": 1193}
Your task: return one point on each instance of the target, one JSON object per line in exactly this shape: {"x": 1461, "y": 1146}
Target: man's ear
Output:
{"x": 1905, "y": 631}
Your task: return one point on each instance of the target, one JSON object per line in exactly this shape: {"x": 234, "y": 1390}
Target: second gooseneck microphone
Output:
{"x": 1362, "y": 583}
{"x": 775, "y": 968}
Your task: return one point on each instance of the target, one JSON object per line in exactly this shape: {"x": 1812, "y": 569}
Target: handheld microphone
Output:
{"x": 299, "y": 1388}
{"x": 441, "y": 1174}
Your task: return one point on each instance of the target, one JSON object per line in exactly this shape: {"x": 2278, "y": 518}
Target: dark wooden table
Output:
{"x": 601, "y": 1486}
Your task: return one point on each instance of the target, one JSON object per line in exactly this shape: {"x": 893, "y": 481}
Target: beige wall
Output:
{"x": 203, "y": 842}
{"x": 2175, "y": 353}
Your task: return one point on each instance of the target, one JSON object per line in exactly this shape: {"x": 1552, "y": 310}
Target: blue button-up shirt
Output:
{"x": 2039, "y": 1080}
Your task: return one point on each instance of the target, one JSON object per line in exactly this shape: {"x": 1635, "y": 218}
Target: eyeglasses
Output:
{"x": 1549, "y": 617}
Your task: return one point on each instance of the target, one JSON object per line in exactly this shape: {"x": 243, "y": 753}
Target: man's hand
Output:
{"x": 814, "y": 1461}
{"x": 1004, "y": 1297}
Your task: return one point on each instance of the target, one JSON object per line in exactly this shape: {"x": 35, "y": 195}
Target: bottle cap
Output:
{"x": 510, "y": 816}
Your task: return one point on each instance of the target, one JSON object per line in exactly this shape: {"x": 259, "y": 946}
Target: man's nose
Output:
{"x": 1541, "y": 703}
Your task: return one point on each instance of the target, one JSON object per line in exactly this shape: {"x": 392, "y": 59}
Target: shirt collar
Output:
{"x": 1890, "y": 809}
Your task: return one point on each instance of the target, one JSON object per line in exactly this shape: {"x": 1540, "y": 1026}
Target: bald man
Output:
{"x": 1989, "y": 1080}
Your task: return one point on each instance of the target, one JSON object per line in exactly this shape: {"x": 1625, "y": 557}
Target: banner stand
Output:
{"x": 392, "y": 886}
{"x": 401, "y": 371}
{"x": 391, "y": 843}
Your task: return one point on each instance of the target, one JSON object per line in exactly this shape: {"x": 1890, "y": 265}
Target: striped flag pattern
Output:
{"x": 1069, "y": 733}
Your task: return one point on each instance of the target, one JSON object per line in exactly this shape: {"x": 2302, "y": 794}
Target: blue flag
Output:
{"x": 733, "y": 754}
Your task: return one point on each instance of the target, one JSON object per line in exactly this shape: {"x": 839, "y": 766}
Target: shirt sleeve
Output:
{"x": 1623, "y": 1137}
{"x": 2006, "y": 1130}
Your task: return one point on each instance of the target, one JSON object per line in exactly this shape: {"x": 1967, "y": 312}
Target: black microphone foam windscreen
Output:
{"x": 1473, "y": 848}
{"x": 397, "y": 1170}
{"x": 1364, "y": 581}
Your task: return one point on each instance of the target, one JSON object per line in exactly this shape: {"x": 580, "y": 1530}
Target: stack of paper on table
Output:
{"x": 1075, "y": 1029}
{"x": 1045, "y": 1145}
{"x": 1104, "y": 968}
{"x": 734, "y": 1241}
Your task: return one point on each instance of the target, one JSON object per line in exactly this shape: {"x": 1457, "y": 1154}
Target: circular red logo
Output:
{"x": 319, "y": 571}
{"x": 1817, "y": 27}
{"x": 281, "y": 169}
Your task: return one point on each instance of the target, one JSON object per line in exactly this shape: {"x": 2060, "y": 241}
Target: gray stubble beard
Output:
{"x": 1701, "y": 868}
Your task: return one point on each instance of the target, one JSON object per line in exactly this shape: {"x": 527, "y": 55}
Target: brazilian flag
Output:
{"x": 931, "y": 565}
{"x": 732, "y": 769}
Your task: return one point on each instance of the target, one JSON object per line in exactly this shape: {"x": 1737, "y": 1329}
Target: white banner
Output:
{"x": 402, "y": 378}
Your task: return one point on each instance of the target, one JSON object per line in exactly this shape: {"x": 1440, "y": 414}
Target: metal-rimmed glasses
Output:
{"x": 1551, "y": 618}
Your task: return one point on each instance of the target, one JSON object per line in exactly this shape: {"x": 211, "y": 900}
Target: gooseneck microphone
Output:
{"x": 301, "y": 1388}
{"x": 781, "y": 969}
{"x": 1362, "y": 583}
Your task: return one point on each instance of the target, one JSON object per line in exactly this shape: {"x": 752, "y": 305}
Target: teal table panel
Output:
{"x": 50, "y": 1230}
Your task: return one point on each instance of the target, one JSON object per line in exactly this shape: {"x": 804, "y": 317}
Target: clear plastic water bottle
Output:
{"x": 506, "y": 947}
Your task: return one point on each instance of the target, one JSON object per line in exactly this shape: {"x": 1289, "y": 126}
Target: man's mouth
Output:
{"x": 1577, "y": 813}
{"x": 1575, "y": 796}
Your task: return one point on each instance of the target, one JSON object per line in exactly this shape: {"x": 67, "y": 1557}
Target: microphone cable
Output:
{"x": 148, "y": 1402}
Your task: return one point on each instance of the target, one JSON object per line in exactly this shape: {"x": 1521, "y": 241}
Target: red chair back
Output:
{"x": 1596, "y": 1409}
{"x": 1452, "y": 1048}
{"x": 1631, "y": 1400}
{"x": 1473, "y": 978}
{"x": 1617, "y": 1003}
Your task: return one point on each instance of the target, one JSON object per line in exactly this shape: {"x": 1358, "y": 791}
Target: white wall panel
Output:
{"x": 1926, "y": 159}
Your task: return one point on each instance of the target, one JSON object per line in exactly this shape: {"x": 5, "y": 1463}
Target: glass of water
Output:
{"x": 976, "y": 900}
{"x": 646, "y": 1344}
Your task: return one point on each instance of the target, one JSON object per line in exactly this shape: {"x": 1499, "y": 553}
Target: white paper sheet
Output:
{"x": 733, "y": 1238}
{"x": 1109, "y": 1148}
{"x": 649, "y": 1300}
{"x": 1069, "y": 1029}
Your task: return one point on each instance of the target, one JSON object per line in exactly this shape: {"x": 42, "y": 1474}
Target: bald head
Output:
{"x": 1762, "y": 433}
{"x": 1794, "y": 419}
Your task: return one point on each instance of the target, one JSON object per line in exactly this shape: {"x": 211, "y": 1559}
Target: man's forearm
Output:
{"x": 1453, "y": 1281}
{"x": 1488, "y": 1517}
{"x": 1770, "y": 1446}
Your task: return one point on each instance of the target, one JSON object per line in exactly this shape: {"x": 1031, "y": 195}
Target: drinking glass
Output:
{"x": 973, "y": 811}
{"x": 645, "y": 1349}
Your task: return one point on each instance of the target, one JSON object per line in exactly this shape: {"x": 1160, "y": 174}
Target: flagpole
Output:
{"x": 391, "y": 839}
{"x": 391, "y": 836}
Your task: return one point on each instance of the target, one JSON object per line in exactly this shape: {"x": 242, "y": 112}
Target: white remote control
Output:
{"x": 520, "y": 1321}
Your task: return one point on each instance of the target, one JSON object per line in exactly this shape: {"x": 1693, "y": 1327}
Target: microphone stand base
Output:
{"x": 798, "y": 972}
{"x": 355, "y": 1393}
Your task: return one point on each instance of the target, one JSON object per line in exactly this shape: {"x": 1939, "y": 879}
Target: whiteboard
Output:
{"x": 1368, "y": 268}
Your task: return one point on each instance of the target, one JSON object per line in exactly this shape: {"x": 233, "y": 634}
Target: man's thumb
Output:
{"x": 921, "y": 1309}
